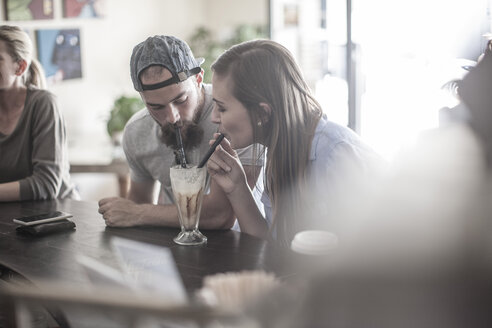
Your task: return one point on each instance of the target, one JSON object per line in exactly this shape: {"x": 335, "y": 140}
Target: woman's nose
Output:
{"x": 215, "y": 117}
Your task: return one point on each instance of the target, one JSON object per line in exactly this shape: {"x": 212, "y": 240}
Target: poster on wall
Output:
{"x": 84, "y": 8}
{"x": 21, "y": 10}
{"x": 291, "y": 15}
{"x": 59, "y": 53}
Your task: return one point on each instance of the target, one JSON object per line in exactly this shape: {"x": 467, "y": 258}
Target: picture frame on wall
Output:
{"x": 60, "y": 54}
{"x": 291, "y": 14}
{"x": 25, "y": 10}
{"x": 84, "y": 8}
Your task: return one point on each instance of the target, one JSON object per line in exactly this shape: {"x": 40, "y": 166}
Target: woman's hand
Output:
{"x": 225, "y": 168}
{"x": 228, "y": 173}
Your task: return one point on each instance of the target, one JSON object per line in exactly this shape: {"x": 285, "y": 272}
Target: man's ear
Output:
{"x": 21, "y": 67}
{"x": 199, "y": 78}
{"x": 265, "y": 113}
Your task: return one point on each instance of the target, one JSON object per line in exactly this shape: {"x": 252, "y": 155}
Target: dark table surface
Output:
{"x": 53, "y": 257}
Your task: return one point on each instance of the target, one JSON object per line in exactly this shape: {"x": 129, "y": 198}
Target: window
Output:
{"x": 402, "y": 53}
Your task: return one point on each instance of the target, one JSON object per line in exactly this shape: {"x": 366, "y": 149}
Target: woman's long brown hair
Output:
{"x": 264, "y": 71}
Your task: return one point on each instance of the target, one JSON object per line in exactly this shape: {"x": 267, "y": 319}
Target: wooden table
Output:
{"x": 53, "y": 257}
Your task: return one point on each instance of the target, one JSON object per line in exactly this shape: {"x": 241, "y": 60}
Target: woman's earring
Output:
{"x": 259, "y": 123}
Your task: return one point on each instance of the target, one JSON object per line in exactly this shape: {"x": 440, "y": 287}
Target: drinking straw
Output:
{"x": 181, "y": 152}
{"x": 211, "y": 150}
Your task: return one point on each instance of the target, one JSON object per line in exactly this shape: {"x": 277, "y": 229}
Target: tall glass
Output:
{"x": 188, "y": 186}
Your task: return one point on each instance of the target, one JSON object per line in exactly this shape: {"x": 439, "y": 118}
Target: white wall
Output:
{"x": 223, "y": 15}
{"x": 106, "y": 46}
{"x": 107, "y": 43}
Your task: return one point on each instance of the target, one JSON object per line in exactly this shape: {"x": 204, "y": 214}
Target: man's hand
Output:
{"x": 120, "y": 212}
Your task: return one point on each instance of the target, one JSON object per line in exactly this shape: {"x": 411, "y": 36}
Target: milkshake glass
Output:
{"x": 188, "y": 186}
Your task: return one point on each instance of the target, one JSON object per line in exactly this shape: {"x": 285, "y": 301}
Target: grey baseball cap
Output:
{"x": 168, "y": 51}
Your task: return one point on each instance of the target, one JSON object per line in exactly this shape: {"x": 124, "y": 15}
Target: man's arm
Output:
{"x": 141, "y": 192}
{"x": 138, "y": 209}
{"x": 9, "y": 191}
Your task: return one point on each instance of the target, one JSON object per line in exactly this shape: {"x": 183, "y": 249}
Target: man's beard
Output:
{"x": 191, "y": 132}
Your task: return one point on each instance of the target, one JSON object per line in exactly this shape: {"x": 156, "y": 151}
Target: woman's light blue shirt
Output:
{"x": 335, "y": 149}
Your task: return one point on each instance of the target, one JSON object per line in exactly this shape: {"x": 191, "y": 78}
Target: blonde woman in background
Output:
{"x": 33, "y": 154}
{"x": 261, "y": 97}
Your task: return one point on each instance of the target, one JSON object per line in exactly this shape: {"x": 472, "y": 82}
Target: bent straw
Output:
{"x": 211, "y": 150}
{"x": 181, "y": 152}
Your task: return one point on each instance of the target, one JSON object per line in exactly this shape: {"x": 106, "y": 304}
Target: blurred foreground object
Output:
{"x": 476, "y": 92}
{"x": 235, "y": 290}
{"x": 416, "y": 252}
{"x": 314, "y": 242}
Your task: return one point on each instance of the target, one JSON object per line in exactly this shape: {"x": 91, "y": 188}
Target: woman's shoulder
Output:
{"x": 333, "y": 141}
{"x": 34, "y": 93}
{"x": 329, "y": 134}
{"x": 41, "y": 101}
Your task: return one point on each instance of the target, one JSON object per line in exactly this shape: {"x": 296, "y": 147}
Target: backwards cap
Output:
{"x": 167, "y": 51}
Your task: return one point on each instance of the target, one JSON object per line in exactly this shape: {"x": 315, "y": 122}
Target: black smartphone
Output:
{"x": 42, "y": 218}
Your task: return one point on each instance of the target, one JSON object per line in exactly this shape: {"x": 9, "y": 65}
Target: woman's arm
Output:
{"x": 9, "y": 191}
{"x": 226, "y": 170}
{"x": 48, "y": 150}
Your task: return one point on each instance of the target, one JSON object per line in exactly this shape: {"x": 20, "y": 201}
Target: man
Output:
{"x": 170, "y": 82}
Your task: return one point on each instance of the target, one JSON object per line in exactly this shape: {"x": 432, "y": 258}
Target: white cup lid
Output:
{"x": 314, "y": 242}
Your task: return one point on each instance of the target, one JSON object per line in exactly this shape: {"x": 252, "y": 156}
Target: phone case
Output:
{"x": 42, "y": 218}
{"x": 47, "y": 228}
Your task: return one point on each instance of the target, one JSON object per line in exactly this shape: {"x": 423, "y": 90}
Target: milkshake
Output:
{"x": 188, "y": 186}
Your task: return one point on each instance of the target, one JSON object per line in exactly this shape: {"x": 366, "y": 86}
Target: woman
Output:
{"x": 33, "y": 156}
{"x": 261, "y": 97}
